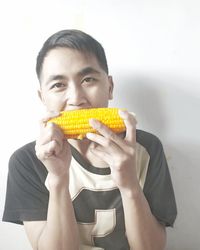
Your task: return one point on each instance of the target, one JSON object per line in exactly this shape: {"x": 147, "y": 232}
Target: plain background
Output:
{"x": 153, "y": 50}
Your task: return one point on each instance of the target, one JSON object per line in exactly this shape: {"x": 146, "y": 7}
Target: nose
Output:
{"x": 75, "y": 98}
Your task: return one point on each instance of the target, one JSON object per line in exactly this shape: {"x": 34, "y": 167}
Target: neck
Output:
{"x": 83, "y": 147}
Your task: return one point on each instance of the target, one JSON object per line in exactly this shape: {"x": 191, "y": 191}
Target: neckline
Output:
{"x": 86, "y": 165}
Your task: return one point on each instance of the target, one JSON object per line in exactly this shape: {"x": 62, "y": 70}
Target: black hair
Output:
{"x": 74, "y": 39}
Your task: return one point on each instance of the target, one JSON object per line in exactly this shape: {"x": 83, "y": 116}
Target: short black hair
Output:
{"x": 74, "y": 39}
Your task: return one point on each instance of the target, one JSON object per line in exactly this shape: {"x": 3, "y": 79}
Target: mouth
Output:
{"x": 78, "y": 108}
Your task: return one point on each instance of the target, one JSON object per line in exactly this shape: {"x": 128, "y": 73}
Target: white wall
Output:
{"x": 153, "y": 49}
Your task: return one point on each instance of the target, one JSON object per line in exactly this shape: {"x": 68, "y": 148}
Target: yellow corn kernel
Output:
{"x": 75, "y": 123}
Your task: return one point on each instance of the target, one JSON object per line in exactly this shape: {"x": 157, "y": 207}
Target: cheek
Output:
{"x": 99, "y": 96}
{"x": 53, "y": 102}
{"x": 103, "y": 92}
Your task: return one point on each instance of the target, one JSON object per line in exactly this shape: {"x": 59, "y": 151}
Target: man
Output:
{"x": 106, "y": 191}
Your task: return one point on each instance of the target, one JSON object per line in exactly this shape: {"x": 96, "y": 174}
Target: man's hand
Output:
{"x": 52, "y": 149}
{"x": 59, "y": 231}
{"x": 119, "y": 153}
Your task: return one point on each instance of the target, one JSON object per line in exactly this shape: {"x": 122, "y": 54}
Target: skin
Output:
{"x": 73, "y": 80}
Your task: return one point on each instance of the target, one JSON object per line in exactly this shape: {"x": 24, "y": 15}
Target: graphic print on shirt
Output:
{"x": 99, "y": 225}
{"x": 98, "y": 205}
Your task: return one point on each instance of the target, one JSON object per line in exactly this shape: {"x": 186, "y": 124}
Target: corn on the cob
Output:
{"x": 75, "y": 123}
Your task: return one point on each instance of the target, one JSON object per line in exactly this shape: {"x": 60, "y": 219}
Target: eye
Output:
{"x": 57, "y": 85}
{"x": 89, "y": 80}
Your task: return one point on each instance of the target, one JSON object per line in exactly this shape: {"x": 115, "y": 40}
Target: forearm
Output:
{"x": 60, "y": 231}
{"x": 144, "y": 232}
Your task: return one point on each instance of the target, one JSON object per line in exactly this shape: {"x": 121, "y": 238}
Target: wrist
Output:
{"x": 131, "y": 193}
{"x": 58, "y": 181}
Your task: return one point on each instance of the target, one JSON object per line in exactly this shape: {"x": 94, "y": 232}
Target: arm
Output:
{"x": 60, "y": 229}
{"x": 143, "y": 230}
{"x": 146, "y": 232}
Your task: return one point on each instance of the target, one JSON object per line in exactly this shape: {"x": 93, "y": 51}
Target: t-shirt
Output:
{"x": 96, "y": 199}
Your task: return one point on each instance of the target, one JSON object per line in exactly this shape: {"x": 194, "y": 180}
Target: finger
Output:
{"x": 106, "y": 132}
{"x": 51, "y": 132}
{"x": 130, "y": 124}
{"x": 107, "y": 145}
{"x": 100, "y": 153}
{"x": 48, "y": 150}
{"x": 54, "y": 147}
{"x": 47, "y": 117}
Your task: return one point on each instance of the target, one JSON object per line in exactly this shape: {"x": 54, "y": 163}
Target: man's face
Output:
{"x": 73, "y": 80}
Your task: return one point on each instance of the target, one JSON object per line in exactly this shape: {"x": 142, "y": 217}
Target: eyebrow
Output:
{"x": 81, "y": 73}
{"x": 88, "y": 70}
{"x": 55, "y": 77}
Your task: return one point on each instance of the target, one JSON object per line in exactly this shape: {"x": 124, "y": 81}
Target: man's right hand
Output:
{"x": 52, "y": 149}
{"x": 59, "y": 230}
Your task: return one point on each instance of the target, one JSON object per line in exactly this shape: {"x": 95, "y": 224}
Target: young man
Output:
{"x": 106, "y": 191}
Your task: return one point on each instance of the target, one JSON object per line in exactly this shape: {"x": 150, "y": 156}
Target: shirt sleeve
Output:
{"x": 158, "y": 188}
{"x": 26, "y": 195}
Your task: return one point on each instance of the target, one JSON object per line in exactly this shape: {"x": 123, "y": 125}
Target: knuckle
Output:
{"x": 50, "y": 132}
{"x": 111, "y": 135}
{"x": 131, "y": 151}
{"x": 39, "y": 154}
{"x": 52, "y": 145}
{"x": 108, "y": 143}
{"x": 114, "y": 137}
{"x": 100, "y": 125}
{"x": 39, "y": 151}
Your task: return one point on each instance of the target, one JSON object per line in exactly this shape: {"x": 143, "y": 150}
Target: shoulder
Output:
{"x": 28, "y": 148}
{"x": 146, "y": 138}
{"x": 24, "y": 161}
{"x": 152, "y": 145}
{"x": 149, "y": 141}
{"x": 23, "y": 153}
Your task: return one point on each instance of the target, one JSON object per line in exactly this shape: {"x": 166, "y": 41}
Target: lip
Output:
{"x": 77, "y": 108}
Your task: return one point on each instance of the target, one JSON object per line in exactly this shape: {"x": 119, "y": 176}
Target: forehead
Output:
{"x": 66, "y": 59}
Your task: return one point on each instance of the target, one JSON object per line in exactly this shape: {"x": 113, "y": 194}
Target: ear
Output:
{"x": 40, "y": 95}
{"x": 111, "y": 87}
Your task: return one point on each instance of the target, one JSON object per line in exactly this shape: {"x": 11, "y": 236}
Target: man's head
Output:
{"x": 73, "y": 39}
{"x": 73, "y": 72}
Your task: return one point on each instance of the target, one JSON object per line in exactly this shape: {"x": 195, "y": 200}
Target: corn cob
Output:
{"x": 75, "y": 123}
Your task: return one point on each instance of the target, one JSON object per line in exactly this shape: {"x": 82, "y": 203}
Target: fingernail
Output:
{"x": 123, "y": 113}
{"x": 49, "y": 124}
{"x": 89, "y": 135}
{"x": 133, "y": 114}
{"x": 93, "y": 122}
{"x": 55, "y": 113}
